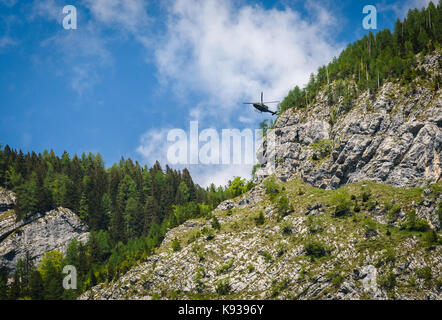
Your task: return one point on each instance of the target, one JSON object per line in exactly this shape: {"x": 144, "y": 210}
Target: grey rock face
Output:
{"x": 7, "y": 199}
{"x": 395, "y": 138}
{"x": 38, "y": 234}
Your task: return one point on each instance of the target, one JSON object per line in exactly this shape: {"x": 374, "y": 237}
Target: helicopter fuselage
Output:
{"x": 261, "y": 107}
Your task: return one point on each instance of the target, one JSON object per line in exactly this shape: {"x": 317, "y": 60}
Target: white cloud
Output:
{"x": 130, "y": 14}
{"x": 219, "y": 175}
{"x": 6, "y": 41}
{"x": 153, "y": 146}
{"x": 125, "y": 15}
{"x": 83, "y": 53}
{"x": 232, "y": 53}
{"x": 48, "y": 9}
{"x": 401, "y": 8}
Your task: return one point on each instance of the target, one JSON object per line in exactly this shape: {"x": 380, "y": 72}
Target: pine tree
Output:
{"x": 36, "y": 286}
{"x": 138, "y": 220}
{"x": 152, "y": 211}
{"x": 3, "y": 283}
{"x": 94, "y": 249}
{"x": 118, "y": 227}
{"x": 14, "y": 291}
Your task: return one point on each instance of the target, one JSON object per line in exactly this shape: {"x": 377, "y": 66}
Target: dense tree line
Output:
{"x": 127, "y": 207}
{"x": 125, "y": 198}
{"x": 375, "y": 59}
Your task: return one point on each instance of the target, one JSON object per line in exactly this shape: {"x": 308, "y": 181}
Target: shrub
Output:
{"x": 200, "y": 255}
{"x": 424, "y": 273}
{"x": 337, "y": 280}
{"x": 156, "y": 296}
{"x": 370, "y": 205}
{"x": 260, "y": 219}
{"x": 389, "y": 256}
{"x": 237, "y": 187}
{"x": 223, "y": 268}
{"x": 193, "y": 237}
{"x": 267, "y": 256}
{"x": 254, "y": 169}
{"x": 250, "y": 268}
{"x": 342, "y": 203}
{"x": 342, "y": 209}
{"x": 412, "y": 223}
{"x": 283, "y": 207}
{"x": 279, "y": 286}
{"x": 439, "y": 211}
{"x": 370, "y": 228}
{"x": 333, "y": 114}
{"x": 215, "y": 224}
{"x": 271, "y": 187}
{"x": 387, "y": 280}
{"x": 302, "y": 272}
{"x": 431, "y": 238}
{"x": 222, "y": 286}
{"x": 176, "y": 246}
{"x": 281, "y": 248}
{"x": 322, "y": 148}
{"x": 315, "y": 249}
{"x": 286, "y": 227}
{"x": 199, "y": 275}
{"x": 208, "y": 233}
{"x": 392, "y": 212}
{"x": 366, "y": 194}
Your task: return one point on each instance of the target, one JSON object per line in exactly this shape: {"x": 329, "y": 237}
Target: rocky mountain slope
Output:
{"x": 350, "y": 208}
{"x": 37, "y": 234}
{"x": 393, "y": 137}
{"x": 310, "y": 253}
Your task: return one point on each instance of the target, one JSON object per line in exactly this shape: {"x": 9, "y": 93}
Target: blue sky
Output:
{"x": 134, "y": 69}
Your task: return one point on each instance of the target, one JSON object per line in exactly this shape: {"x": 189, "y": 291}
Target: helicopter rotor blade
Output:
{"x": 262, "y": 94}
{"x": 271, "y": 102}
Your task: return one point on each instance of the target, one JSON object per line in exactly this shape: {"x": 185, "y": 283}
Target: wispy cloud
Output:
{"x": 220, "y": 175}
{"x": 400, "y": 8}
{"x": 231, "y": 52}
{"x": 129, "y": 14}
{"x": 153, "y": 146}
{"x": 8, "y": 3}
{"x": 83, "y": 53}
{"x": 227, "y": 52}
{"x": 6, "y": 41}
{"x": 47, "y": 9}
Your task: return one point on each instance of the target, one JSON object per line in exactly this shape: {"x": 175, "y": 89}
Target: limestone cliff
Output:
{"x": 393, "y": 137}
{"x": 37, "y": 234}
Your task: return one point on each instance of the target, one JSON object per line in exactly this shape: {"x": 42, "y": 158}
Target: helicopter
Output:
{"x": 260, "y": 106}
